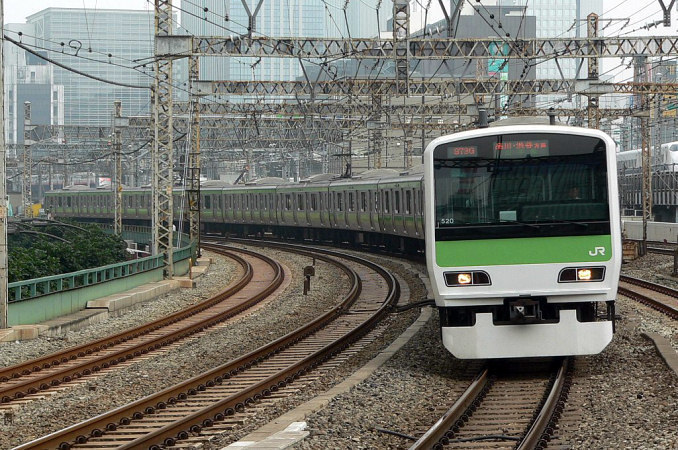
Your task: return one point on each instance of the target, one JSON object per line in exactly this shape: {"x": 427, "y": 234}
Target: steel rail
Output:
{"x": 443, "y": 431}
{"x": 67, "y": 374}
{"x": 540, "y": 430}
{"x": 649, "y": 301}
{"x": 436, "y": 435}
{"x": 168, "y": 434}
{"x": 70, "y": 353}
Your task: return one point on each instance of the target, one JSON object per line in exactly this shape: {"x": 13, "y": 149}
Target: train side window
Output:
{"x": 314, "y": 202}
{"x": 363, "y": 201}
{"x": 288, "y": 202}
{"x": 322, "y": 201}
{"x": 300, "y": 202}
{"x": 408, "y": 202}
{"x": 396, "y": 202}
{"x": 387, "y": 201}
{"x": 208, "y": 202}
{"x": 340, "y": 201}
{"x": 350, "y": 202}
{"x": 376, "y": 201}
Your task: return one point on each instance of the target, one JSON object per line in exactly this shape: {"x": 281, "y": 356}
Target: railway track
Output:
{"x": 661, "y": 298}
{"x": 185, "y": 410}
{"x": 20, "y": 383}
{"x": 503, "y": 409}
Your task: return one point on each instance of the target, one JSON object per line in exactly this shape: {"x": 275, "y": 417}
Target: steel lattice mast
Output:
{"x": 28, "y": 164}
{"x": 116, "y": 183}
{"x": 193, "y": 162}
{"x": 162, "y": 157}
{"x": 3, "y": 182}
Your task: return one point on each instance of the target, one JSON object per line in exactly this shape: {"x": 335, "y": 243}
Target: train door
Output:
{"x": 307, "y": 202}
{"x": 363, "y": 222}
{"x": 387, "y": 210}
{"x": 399, "y": 210}
{"x": 332, "y": 205}
{"x": 270, "y": 206}
{"x": 299, "y": 208}
{"x": 417, "y": 211}
{"x": 351, "y": 214}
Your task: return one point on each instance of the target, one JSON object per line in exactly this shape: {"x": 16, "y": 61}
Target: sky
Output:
{"x": 641, "y": 13}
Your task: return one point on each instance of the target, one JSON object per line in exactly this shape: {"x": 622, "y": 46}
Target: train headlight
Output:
{"x": 464, "y": 278}
{"x": 584, "y": 274}
{"x": 475, "y": 278}
{"x": 581, "y": 274}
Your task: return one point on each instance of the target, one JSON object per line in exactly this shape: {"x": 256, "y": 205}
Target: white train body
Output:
{"x": 665, "y": 158}
{"x": 523, "y": 246}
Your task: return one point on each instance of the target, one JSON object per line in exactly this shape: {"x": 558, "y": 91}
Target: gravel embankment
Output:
{"x": 626, "y": 396}
{"x": 101, "y": 394}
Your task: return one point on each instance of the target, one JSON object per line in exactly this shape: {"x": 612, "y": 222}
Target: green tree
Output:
{"x": 33, "y": 256}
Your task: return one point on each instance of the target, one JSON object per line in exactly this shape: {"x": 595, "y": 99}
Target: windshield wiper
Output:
{"x": 512, "y": 222}
{"x": 581, "y": 224}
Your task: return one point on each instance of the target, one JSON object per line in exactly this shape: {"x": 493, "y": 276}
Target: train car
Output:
{"x": 668, "y": 156}
{"x": 629, "y": 160}
{"x": 523, "y": 242}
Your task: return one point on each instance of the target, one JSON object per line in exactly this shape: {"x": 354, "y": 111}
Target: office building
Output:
{"x": 106, "y": 44}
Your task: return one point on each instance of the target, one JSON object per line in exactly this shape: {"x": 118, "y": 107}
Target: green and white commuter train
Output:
{"x": 522, "y": 231}
{"x": 523, "y": 240}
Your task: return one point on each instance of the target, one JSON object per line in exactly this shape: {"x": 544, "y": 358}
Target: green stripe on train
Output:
{"x": 492, "y": 252}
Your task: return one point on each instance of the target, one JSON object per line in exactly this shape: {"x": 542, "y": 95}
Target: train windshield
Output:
{"x": 521, "y": 185}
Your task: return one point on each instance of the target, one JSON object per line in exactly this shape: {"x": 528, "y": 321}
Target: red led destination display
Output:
{"x": 469, "y": 150}
{"x": 521, "y": 145}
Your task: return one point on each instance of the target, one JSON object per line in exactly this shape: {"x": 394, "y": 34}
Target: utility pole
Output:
{"x": 376, "y": 133}
{"x": 162, "y": 165}
{"x": 117, "y": 179}
{"x": 193, "y": 190}
{"x": 401, "y": 35}
{"x": 640, "y": 75}
{"x": 593, "y": 99}
{"x": 28, "y": 163}
{"x": 3, "y": 182}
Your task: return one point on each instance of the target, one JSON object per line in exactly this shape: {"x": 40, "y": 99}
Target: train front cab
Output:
{"x": 518, "y": 268}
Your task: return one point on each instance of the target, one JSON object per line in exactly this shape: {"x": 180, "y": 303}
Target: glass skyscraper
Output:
{"x": 103, "y": 43}
{"x": 559, "y": 19}
{"x": 284, "y": 18}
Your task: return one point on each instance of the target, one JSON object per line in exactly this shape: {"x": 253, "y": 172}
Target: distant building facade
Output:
{"x": 28, "y": 79}
{"x": 560, "y": 19}
{"x": 107, "y": 43}
{"x": 291, "y": 18}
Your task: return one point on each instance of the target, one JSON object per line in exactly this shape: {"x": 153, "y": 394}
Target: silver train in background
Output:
{"x": 665, "y": 159}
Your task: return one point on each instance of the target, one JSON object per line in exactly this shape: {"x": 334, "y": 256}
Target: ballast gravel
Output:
{"x": 623, "y": 398}
{"x": 282, "y": 315}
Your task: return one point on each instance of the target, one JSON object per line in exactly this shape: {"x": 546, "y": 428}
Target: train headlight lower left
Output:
{"x": 581, "y": 274}
{"x": 473, "y": 278}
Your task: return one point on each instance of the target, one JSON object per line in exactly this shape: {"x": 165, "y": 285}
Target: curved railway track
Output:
{"x": 503, "y": 409}
{"x": 181, "y": 411}
{"x": 661, "y": 298}
{"x": 260, "y": 277}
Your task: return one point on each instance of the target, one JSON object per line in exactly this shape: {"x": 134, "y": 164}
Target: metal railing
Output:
{"x": 27, "y": 289}
{"x": 38, "y": 287}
